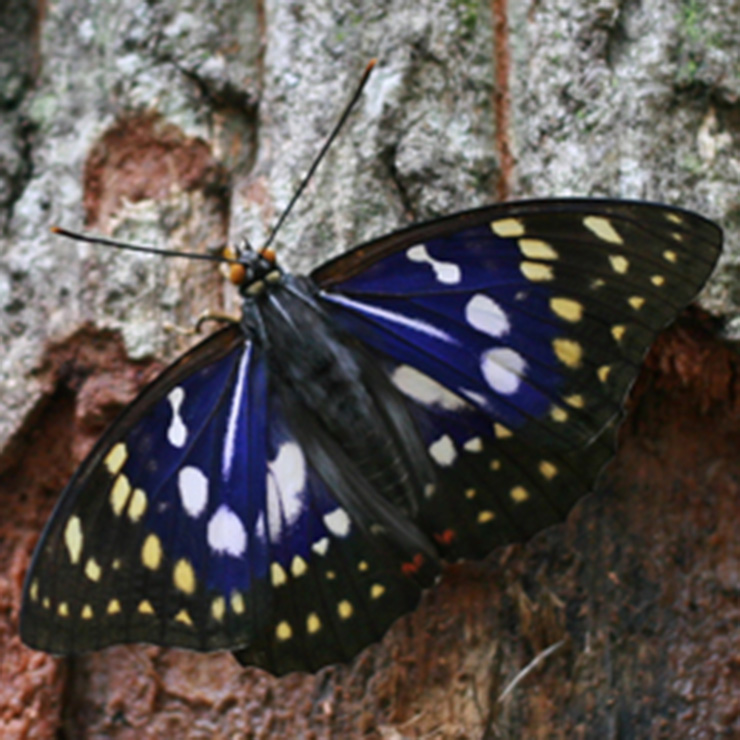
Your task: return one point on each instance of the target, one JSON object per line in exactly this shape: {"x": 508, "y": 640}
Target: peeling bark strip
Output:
{"x": 140, "y": 158}
{"x": 502, "y": 96}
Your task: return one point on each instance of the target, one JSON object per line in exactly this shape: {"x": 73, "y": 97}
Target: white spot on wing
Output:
{"x": 474, "y": 397}
{"x": 474, "y": 444}
{"x": 226, "y": 533}
{"x": 445, "y": 272}
{"x": 259, "y": 527}
{"x": 416, "y": 324}
{"x": 424, "y": 389}
{"x": 321, "y": 546}
{"x": 193, "y": 488}
{"x": 234, "y": 415}
{"x": 503, "y": 369}
{"x": 338, "y": 522}
{"x": 484, "y": 314}
{"x": 286, "y": 480}
{"x": 177, "y": 432}
{"x": 443, "y": 451}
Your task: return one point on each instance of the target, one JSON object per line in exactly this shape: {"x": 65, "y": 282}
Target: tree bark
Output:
{"x": 185, "y": 124}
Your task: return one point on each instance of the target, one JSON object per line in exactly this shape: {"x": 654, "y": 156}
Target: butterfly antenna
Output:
{"x": 80, "y": 237}
{"x": 333, "y": 135}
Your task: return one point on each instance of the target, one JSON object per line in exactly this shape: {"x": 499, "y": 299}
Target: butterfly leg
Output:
{"x": 206, "y": 316}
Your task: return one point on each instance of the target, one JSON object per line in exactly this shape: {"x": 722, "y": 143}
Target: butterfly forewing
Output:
{"x": 515, "y": 332}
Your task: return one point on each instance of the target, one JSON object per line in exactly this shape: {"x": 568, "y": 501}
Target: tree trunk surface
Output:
{"x": 191, "y": 122}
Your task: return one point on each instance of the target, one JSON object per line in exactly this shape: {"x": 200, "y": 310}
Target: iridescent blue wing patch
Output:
{"x": 515, "y": 332}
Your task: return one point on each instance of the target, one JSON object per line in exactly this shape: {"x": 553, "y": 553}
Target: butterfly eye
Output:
{"x": 237, "y": 274}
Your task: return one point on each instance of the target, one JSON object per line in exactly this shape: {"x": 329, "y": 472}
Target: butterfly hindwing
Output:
{"x": 515, "y": 332}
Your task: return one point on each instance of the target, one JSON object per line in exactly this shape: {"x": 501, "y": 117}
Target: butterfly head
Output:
{"x": 252, "y": 269}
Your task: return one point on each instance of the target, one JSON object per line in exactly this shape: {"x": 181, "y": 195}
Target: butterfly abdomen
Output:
{"x": 352, "y": 423}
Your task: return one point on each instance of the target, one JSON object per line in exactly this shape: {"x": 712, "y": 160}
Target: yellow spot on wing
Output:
{"x": 33, "y": 592}
{"x": 603, "y": 372}
{"x": 362, "y": 566}
{"x": 558, "y": 414}
{"x": 670, "y": 256}
{"x": 93, "y": 570}
{"x": 519, "y": 494}
{"x": 218, "y": 608}
{"x": 376, "y": 590}
{"x": 536, "y": 249}
{"x": 73, "y": 539}
{"x": 567, "y": 309}
{"x": 636, "y": 301}
{"x": 568, "y": 351}
{"x": 87, "y": 612}
{"x": 674, "y": 217}
{"x": 278, "y": 576}
{"x": 237, "y": 603}
{"x": 116, "y": 458}
{"x": 151, "y": 552}
{"x": 298, "y": 566}
{"x": 619, "y": 263}
{"x": 576, "y": 401}
{"x": 344, "y": 609}
{"x": 485, "y": 516}
{"x": 603, "y": 228}
{"x": 114, "y": 606}
{"x": 184, "y": 618}
{"x": 501, "y": 431}
{"x": 283, "y": 631}
{"x": 137, "y": 505}
{"x": 537, "y": 272}
{"x": 313, "y": 623}
{"x": 548, "y": 470}
{"x": 184, "y": 576}
{"x": 145, "y": 607}
{"x": 507, "y": 227}
{"x": 119, "y": 494}
{"x": 658, "y": 281}
{"x": 618, "y": 331}
{"x": 63, "y": 609}
{"x": 470, "y": 493}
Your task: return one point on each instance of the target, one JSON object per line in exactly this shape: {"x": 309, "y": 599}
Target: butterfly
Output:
{"x": 286, "y": 489}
